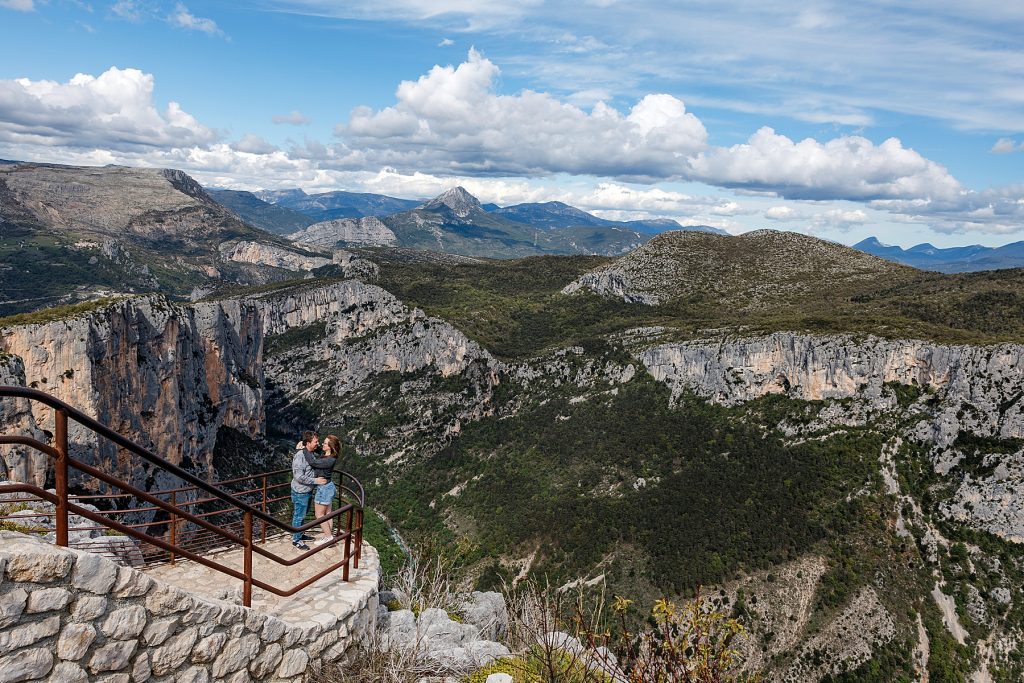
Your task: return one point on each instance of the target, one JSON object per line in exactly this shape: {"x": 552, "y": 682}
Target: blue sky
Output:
{"x": 841, "y": 120}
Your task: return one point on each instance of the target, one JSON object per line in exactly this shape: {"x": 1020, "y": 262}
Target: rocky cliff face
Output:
{"x": 368, "y": 231}
{"x": 166, "y": 376}
{"x": 338, "y": 350}
{"x": 979, "y": 388}
{"x": 948, "y": 392}
{"x": 171, "y": 377}
{"x": 269, "y": 255}
{"x": 19, "y": 462}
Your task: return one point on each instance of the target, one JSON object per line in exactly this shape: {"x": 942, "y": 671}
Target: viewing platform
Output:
{"x": 200, "y": 581}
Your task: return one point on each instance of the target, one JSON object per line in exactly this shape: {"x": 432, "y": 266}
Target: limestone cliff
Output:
{"x": 979, "y": 389}
{"x": 949, "y": 392}
{"x": 271, "y": 255}
{"x": 367, "y": 231}
{"x": 172, "y": 376}
{"x": 166, "y": 376}
{"x": 330, "y": 348}
{"x": 19, "y": 462}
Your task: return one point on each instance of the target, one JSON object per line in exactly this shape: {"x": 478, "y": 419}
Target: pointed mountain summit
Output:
{"x": 461, "y": 202}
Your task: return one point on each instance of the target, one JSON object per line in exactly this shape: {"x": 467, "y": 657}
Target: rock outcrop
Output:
{"x": 19, "y": 463}
{"x": 367, "y": 231}
{"x": 446, "y": 645}
{"x": 166, "y": 376}
{"x": 332, "y": 347}
{"x": 978, "y": 389}
{"x": 949, "y": 390}
{"x": 845, "y": 643}
{"x": 270, "y": 255}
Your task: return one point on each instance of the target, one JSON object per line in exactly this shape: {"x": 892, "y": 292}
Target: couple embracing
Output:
{"x": 311, "y": 472}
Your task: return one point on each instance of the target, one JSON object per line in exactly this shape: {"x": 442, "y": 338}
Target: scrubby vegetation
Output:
{"x": 515, "y": 309}
{"x": 717, "y": 496}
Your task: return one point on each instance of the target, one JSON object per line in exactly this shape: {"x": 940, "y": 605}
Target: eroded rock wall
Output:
{"x": 171, "y": 376}
{"x": 979, "y": 388}
{"x": 166, "y": 376}
{"x": 20, "y": 463}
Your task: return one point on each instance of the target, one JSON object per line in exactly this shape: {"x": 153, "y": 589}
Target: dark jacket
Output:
{"x": 323, "y": 467}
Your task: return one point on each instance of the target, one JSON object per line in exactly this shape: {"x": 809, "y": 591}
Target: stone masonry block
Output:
{"x": 25, "y": 665}
{"x": 27, "y": 633}
{"x": 12, "y": 604}
{"x": 74, "y": 641}
{"x": 93, "y": 573}
{"x": 48, "y": 599}
{"x": 125, "y": 623}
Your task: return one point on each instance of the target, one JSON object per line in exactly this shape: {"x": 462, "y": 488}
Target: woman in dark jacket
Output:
{"x": 324, "y": 496}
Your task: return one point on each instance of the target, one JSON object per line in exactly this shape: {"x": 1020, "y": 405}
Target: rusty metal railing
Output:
{"x": 191, "y": 521}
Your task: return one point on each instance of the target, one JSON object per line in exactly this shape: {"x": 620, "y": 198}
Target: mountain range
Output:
{"x": 454, "y": 222}
{"x": 948, "y": 260}
{"x": 71, "y": 233}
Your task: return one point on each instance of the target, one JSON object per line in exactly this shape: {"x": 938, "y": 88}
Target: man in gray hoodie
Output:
{"x": 303, "y": 480}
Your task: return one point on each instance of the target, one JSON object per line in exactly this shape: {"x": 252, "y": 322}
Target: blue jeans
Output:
{"x": 300, "y": 503}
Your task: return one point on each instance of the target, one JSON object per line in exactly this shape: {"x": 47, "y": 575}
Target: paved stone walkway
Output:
{"x": 328, "y": 596}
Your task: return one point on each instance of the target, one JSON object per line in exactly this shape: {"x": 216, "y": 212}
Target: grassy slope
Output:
{"x": 514, "y": 308}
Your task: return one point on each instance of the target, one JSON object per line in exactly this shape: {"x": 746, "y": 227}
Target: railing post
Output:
{"x": 359, "y": 537}
{"x": 263, "y": 508}
{"x": 247, "y": 540}
{"x": 348, "y": 544}
{"x": 60, "y": 432}
{"x": 173, "y": 535}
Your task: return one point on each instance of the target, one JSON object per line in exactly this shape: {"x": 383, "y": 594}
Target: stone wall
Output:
{"x": 72, "y": 616}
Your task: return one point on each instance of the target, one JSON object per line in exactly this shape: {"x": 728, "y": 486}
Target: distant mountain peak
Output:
{"x": 871, "y": 242}
{"x": 457, "y": 199}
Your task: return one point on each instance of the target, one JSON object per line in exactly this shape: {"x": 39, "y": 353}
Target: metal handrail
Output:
{"x": 64, "y": 504}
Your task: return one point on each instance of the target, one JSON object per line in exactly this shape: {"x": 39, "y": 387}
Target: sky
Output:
{"x": 842, "y": 120}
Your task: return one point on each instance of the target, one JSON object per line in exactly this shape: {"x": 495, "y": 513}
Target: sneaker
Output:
{"x": 304, "y": 537}
{"x": 300, "y": 545}
{"x": 323, "y": 540}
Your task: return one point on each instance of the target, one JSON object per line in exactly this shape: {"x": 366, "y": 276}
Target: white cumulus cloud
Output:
{"x": 114, "y": 110}
{"x": 839, "y": 219}
{"x": 253, "y": 144}
{"x": 783, "y": 213}
{"x": 452, "y": 119}
{"x": 847, "y": 167}
{"x": 1005, "y": 146}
